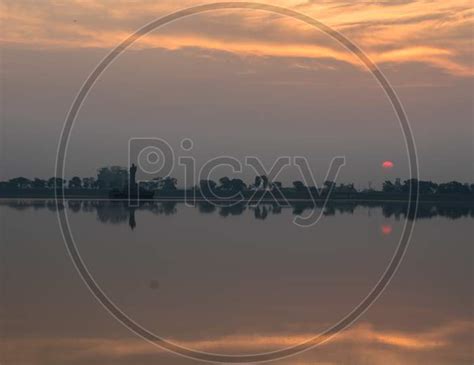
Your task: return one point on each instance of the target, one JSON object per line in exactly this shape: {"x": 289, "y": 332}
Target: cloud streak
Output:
{"x": 437, "y": 34}
{"x": 365, "y": 336}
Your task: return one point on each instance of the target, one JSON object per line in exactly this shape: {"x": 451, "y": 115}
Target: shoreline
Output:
{"x": 284, "y": 196}
{"x": 178, "y": 199}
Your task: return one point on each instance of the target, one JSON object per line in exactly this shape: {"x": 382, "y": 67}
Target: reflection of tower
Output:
{"x": 261, "y": 213}
{"x": 131, "y": 218}
{"x": 133, "y": 172}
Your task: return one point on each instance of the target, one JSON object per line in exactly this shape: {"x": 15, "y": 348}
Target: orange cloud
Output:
{"x": 433, "y": 33}
{"x": 364, "y": 336}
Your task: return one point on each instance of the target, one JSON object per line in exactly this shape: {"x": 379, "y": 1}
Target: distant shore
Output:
{"x": 249, "y": 197}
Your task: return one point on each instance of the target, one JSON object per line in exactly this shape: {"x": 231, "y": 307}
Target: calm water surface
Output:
{"x": 234, "y": 281}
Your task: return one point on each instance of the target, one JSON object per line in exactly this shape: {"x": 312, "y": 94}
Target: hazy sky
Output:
{"x": 240, "y": 83}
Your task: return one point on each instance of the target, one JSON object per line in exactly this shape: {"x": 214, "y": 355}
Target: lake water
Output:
{"x": 240, "y": 280}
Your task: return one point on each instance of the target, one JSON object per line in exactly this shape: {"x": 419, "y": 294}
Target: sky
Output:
{"x": 238, "y": 83}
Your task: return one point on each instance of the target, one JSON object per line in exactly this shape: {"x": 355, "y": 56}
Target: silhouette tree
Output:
{"x": 168, "y": 184}
{"x": 299, "y": 186}
{"x": 231, "y": 185}
{"x": 346, "y": 188}
{"x": 276, "y": 185}
{"x": 55, "y": 182}
{"x": 226, "y": 184}
{"x": 154, "y": 184}
{"x": 453, "y": 187}
{"x": 238, "y": 185}
{"x": 38, "y": 183}
{"x": 328, "y": 185}
{"x": 75, "y": 183}
{"x": 407, "y": 184}
{"x": 89, "y": 183}
{"x": 427, "y": 187}
{"x": 113, "y": 177}
{"x": 20, "y": 182}
{"x": 388, "y": 186}
{"x": 207, "y": 186}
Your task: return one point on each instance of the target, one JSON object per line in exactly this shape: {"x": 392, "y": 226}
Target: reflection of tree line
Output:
{"x": 397, "y": 210}
{"x": 115, "y": 212}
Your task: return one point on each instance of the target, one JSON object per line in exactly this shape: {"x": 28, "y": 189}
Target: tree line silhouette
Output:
{"x": 116, "y": 177}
